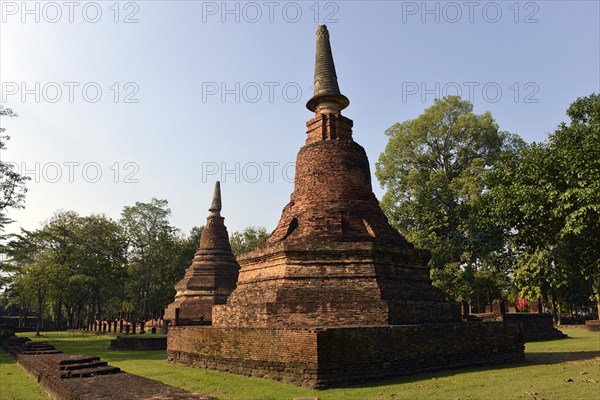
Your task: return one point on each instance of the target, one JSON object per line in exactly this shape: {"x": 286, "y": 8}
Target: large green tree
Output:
{"x": 83, "y": 259}
{"x": 7, "y": 269}
{"x": 12, "y": 184}
{"x": 101, "y": 267}
{"x": 91, "y": 267}
{"x": 433, "y": 170}
{"x": 150, "y": 241}
{"x": 12, "y": 195}
{"x": 547, "y": 200}
{"x": 248, "y": 239}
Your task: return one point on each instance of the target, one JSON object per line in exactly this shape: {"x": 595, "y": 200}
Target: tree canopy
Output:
{"x": 248, "y": 239}
{"x": 12, "y": 184}
{"x": 77, "y": 268}
{"x": 433, "y": 169}
{"x": 499, "y": 216}
{"x": 546, "y": 199}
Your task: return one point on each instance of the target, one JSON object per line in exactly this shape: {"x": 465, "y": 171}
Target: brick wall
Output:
{"x": 138, "y": 343}
{"x": 332, "y": 194}
{"x": 329, "y": 357}
{"x": 292, "y": 284}
{"x": 593, "y": 325}
{"x": 535, "y": 326}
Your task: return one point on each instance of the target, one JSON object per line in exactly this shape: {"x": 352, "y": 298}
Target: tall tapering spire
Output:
{"x": 211, "y": 277}
{"x": 327, "y": 96}
{"x": 215, "y": 207}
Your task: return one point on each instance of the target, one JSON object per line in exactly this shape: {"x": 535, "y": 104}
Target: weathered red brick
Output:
{"x": 212, "y": 275}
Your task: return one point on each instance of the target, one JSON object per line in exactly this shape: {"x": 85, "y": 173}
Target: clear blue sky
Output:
{"x": 222, "y": 87}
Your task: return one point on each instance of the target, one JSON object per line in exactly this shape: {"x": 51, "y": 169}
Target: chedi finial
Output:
{"x": 215, "y": 207}
{"x": 327, "y": 96}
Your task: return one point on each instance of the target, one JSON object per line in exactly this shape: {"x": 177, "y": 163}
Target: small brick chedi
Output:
{"x": 337, "y": 296}
{"x": 212, "y": 275}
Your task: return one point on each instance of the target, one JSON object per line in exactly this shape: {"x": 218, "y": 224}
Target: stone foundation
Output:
{"x": 321, "y": 358}
{"x": 593, "y": 325}
{"x": 84, "y": 377}
{"x": 535, "y": 326}
{"x": 138, "y": 343}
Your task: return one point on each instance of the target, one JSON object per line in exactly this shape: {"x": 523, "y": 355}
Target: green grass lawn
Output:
{"x": 558, "y": 369}
{"x": 15, "y": 383}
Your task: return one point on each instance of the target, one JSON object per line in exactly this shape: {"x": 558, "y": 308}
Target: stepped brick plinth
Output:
{"x": 212, "y": 275}
{"x": 67, "y": 366}
{"x": 324, "y": 283}
{"x": 30, "y": 347}
{"x": 336, "y": 295}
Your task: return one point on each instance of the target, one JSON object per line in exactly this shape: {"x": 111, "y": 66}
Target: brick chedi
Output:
{"x": 337, "y": 296}
{"x": 212, "y": 275}
{"x": 333, "y": 258}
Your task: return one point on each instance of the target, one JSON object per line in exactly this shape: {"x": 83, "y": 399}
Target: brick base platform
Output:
{"x": 593, "y": 325}
{"x": 536, "y": 327}
{"x": 138, "y": 343}
{"x": 321, "y": 358}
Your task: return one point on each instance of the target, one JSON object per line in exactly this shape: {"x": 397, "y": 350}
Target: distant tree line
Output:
{"x": 501, "y": 218}
{"x": 80, "y": 268}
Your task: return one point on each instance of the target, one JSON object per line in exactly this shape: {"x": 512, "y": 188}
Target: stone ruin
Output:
{"x": 83, "y": 377}
{"x": 535, "y": 324}
{"x": 337, "y": 296}
{"x": 212, "y": 275}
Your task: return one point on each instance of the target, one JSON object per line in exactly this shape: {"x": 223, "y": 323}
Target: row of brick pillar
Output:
{"x": 499, "y": 307}
{"x": 116, "y": 327}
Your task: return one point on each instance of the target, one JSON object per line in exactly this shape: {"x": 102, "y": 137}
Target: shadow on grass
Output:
{"x": 6, "y": 359}
{"x": 531, "y": 358}
{"x": 546, "y": 358}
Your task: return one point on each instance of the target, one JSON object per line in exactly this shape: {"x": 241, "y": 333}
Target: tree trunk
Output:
{"x": 59, "y": 315}
{"x": 99, "y": 308}
{"x": 40, "y": 317}
{"x": 145, "y": 290}
{"x": 70, "y": 316}
{"x": 554, "y": 312}
{"x": 79, "y": 315}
